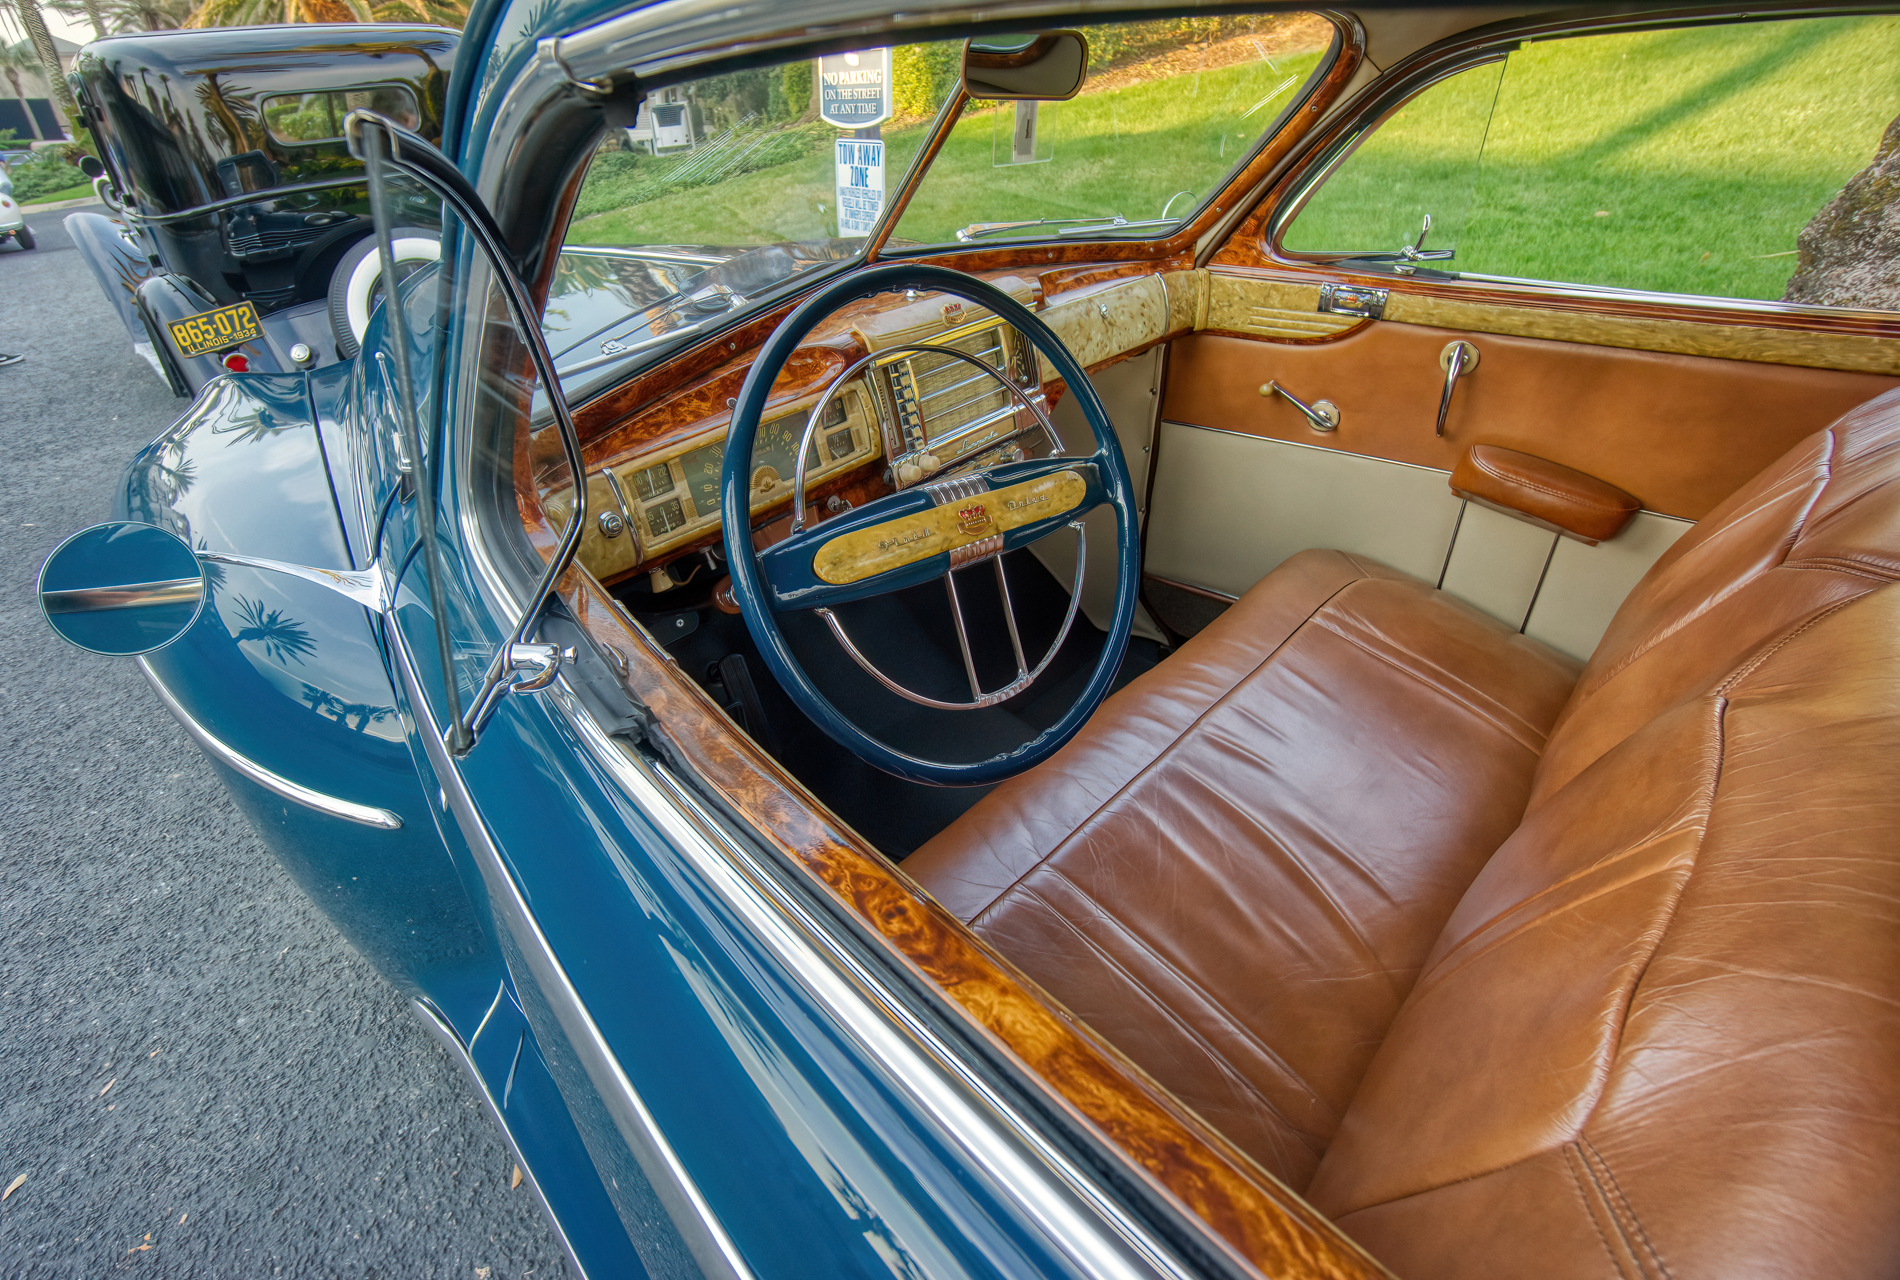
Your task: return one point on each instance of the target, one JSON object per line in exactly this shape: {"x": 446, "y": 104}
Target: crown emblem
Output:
{"x": 952, "y": 311}
{"x": 973, "y": 519}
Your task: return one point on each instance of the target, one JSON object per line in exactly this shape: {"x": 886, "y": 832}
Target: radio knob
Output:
{"x": 909, "y": 473}
{"x": 928, "y": 462}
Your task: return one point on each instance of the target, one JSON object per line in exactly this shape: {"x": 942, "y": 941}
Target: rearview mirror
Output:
{"x": 1045, "y": 67}
{"x": 122, "y": 588}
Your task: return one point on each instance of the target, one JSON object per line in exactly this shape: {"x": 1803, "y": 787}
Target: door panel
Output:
{"x": 1680, "y": 432}
{"x": 1228, "y": 508}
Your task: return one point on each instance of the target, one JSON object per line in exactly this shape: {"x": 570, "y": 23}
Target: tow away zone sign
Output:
{"x": 860, "y": 185}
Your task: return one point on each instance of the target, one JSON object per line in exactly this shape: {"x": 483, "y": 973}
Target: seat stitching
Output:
{"x": 1754, "y": 663}
{"x": 1856, "y": 565}
{"x": 1135, "y": 939}
{"x": 1226, "y": 1068}
{"x": 1618, "y": 1201}
{"x": 1525, "y": 482}
{"x": 1573, "y": 1160}
{"x": 1163, "y": 754}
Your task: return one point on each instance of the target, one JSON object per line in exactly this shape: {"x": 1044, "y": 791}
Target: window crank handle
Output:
{"x": 1323, "y": 415}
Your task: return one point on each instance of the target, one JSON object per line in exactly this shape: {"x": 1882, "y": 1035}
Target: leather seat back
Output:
{"x": 1820, "y": 527}
{"x": 1661, "y": 1031}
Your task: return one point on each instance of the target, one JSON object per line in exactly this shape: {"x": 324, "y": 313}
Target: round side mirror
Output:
{"x": 122, "y": 588}
{"x": 90, "y": 166}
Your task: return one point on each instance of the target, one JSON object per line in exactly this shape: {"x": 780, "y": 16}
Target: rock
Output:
{"x": 1850, "y": 252}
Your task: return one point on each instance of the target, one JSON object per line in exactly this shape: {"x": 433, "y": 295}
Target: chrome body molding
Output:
{"x": 712, "y": 1249}
{"x": 367, "y": 815}
{"x": 1063, "y": 1202}
{"x": 441, "y": 1029}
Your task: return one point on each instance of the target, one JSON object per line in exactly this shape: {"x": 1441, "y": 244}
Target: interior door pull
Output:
{"x": 1457, "y": 359}
{"x": 1322, "y": 414}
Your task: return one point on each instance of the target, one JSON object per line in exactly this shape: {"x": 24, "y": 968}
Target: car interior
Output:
{"x": 1488, "y": 830}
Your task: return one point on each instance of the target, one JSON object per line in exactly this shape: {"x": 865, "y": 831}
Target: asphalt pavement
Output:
{"x": 198, "y": 1077}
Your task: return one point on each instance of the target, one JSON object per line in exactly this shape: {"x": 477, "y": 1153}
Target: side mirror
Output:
{"x": 122, "y": 588}
{"x": 90, "y": 166}
{"x": 1046, "y": 67}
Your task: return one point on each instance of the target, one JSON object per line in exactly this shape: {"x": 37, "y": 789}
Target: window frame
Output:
{"x": 1323, "y": 154}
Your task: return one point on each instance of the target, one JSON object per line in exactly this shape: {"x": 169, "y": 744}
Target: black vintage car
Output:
{"x": 242, "y": 237}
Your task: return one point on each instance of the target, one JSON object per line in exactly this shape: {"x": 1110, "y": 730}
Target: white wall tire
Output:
{"x": 353, "y": 284}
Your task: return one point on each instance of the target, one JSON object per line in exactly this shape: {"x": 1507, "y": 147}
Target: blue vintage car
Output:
{"x": 1038, "y": 640}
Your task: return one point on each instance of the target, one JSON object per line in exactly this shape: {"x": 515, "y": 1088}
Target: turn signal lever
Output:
{"x": 1323, "y": 415}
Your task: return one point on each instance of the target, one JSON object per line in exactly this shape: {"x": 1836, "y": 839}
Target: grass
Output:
{"x": 51, "y": 197}
{"x": 1125, "y": 151}
{"x": 1684, "y": 161}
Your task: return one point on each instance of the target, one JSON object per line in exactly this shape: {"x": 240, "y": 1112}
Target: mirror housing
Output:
{"x": 122, "y": 588}
{"x": 1048, "y": 66}
{"x": 91, "y": 167}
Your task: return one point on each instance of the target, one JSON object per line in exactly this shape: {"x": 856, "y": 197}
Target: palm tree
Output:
{"x": 15, "y": 58}
{"x": 245, "y": 13}
{"x": 35, "y": 24}
{"x": 130, "y": 15}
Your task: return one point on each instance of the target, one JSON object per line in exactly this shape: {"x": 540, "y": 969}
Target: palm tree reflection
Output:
{"x": 282, "y": 637}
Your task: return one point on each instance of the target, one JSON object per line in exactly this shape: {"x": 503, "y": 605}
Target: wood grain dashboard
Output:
{"x": 653, "y": 467}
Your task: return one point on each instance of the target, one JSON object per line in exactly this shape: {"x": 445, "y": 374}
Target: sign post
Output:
{"x": 854, "y": 95}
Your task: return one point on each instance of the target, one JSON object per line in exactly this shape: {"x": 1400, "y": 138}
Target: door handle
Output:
{"x": 1322, "y": 414}
{"x": 1457, "y": 359}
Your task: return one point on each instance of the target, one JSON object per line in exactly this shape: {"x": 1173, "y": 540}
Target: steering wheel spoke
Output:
{"x": 1024, "y": 677}
{"x": 924, "y": 533}
{"x": 933, "y": 530}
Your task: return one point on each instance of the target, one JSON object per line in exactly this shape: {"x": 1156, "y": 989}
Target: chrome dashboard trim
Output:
{"x": 1055, "y": 1195}
{"x": 443, "y": 1030}
{"x": 712, "y": 1249}
{"x": 348, "y": 810}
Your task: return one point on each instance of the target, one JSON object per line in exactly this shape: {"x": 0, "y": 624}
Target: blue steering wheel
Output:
{"x": 974, "y": 513}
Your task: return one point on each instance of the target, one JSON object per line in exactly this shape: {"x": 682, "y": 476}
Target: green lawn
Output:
{"x": 1120, "y": 151}
{"x": 51, "y": 197}
{"x": 1684, "y": 161}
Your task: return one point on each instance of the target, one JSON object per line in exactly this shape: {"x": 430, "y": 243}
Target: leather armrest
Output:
{"x": 1547, "y": 494}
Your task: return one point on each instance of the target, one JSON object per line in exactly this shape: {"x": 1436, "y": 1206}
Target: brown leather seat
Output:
{"x": 1513, "y": 971}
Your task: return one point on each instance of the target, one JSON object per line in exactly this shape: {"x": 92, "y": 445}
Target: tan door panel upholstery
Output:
{"x": 1679, "y": 432}
{"x": 1656, "y": 1029}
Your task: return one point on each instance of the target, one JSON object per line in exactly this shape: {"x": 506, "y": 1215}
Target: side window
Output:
{"x": 1723, "y": 161}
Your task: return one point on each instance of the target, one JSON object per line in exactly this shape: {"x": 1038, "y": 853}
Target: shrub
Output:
{"x": 43, "y": 174}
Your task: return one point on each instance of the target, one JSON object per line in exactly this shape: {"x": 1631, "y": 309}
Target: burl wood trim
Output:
{"x": 1280, "y": 310}
{"x": 1856, "y": 353}
{"x": 1253, "y": 1213}
{"x": 863, "y": 553}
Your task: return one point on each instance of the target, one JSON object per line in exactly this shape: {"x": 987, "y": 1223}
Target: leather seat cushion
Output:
{"x": 1235, "y": 872}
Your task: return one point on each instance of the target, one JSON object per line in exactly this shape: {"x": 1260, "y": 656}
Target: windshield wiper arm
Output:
{"x": 613, "y": 349}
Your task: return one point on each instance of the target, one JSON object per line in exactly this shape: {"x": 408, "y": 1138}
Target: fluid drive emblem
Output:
{"x": 973, "y": 520}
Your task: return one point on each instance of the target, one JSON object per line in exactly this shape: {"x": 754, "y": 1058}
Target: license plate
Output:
{"x": 210, "y": 331}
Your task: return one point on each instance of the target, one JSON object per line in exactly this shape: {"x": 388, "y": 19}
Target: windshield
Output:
{"x": 1170, "y": 108}
{"x": 725, "y": 188}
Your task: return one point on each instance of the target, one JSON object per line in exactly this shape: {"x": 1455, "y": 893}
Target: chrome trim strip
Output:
{"x": 348, "y": 810}
{"x": 700, "y": 1230}
{"x": 1075, "y": 1216}
{"x": 129, "y": 595}
{"x": 444, "y": 1031}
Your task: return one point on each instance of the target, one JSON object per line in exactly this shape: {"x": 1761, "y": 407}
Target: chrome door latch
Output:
{"x": 1457, "y": 359}
{"x": 536, "y": 665}
{"x": 1353, "y": 300}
